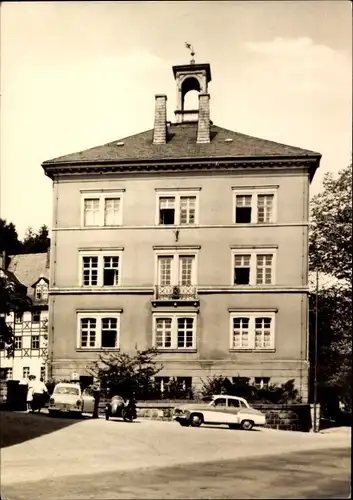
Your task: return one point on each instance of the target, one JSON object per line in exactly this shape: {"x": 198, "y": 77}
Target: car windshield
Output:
{"x": 67, "y": 390}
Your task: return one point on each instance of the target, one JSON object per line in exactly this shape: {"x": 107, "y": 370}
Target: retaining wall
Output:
{"x": 296, "y": 417}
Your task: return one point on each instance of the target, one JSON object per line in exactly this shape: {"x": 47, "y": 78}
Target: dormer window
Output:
{"x": 41, "y": 291}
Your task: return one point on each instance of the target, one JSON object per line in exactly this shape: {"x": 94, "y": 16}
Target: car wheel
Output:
{"x": 196, "y": 419}
{"x": 107, "y": 414}
{"x": 247, "y": 425}
{"x": 127, "y": 416}
{"x": 184, "y": 423}
{"x": 232, "y": 426}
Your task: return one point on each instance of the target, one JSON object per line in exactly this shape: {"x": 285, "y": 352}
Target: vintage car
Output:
{"x": 222, "y": 409}
{"x": 121, "y": 408}
{"x": 69, "y": 398}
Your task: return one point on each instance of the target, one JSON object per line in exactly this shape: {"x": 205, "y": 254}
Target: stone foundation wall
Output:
{"x": 281, "y": 417}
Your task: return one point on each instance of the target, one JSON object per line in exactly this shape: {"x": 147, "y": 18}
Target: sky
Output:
{"x": 75, "y": 75}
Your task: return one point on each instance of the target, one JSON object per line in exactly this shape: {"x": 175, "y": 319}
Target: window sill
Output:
{"x": 98, "y": 226}
{"x": 252, "y": 350}
{"x": 97, "y": 349}
{"x": 251, "y": 285}
{"x": 177, "y": 225}
{"x": 99, "y": 287}
{"x": 176, "y": 350}
{"x": 254, "y": 223}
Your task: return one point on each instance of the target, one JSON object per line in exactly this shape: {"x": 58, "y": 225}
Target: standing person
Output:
{"x": 23, "y": 391}
{"x": 39, "y": 394}
{"x": 30, "y": 393}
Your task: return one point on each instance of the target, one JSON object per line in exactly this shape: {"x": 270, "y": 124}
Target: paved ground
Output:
{"x": 147, "y": 459}
{"x": 314, "y": 474}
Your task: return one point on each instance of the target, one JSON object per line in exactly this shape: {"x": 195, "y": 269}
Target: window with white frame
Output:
{"x": 254, "y": 331}
{"x": 163, "y": 383}
{"x": 25, "y": 372}
{"x": 187, "y": 209}
{"x": 35, "y": 342}
{"x": 253, "y": 268}
{"x": 174, "y": 331}
{"x": 176, "y": 269}
{"x": 41, "y": 291}
{"x": 98, "y": 330}
{"x": 91, "y": 212}
{"x": 261, "y": 382}
{"x": 265, "y": 208}
{"x": 264, "y": 269}
{"x": 243, "y": 208}
{"x": 242, "y": 269}
{"x": 177, "y": 208}
{"x": 18, "y": 342}
{"x": 254, "y": 206}
{"x": 112, "y": 211}
{"x": 9, "y": 373}
{"x": 100, "y": 269}
{"x": 110, "y": 270}
{"x": 102, "y": 208}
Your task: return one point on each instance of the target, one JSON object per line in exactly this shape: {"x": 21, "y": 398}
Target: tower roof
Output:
{"x": 192, "y": 68}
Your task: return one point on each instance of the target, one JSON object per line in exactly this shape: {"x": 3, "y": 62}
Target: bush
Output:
{"x": 124, "y": 374}
{"x": 286, "y": 394}
{"x": 215, "y": 385}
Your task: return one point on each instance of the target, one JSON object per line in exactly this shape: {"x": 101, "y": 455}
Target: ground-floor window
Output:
{"x": 9, "y": 374}
{"x": 174, "y": 331}
{"x": 25, "y": 372}
{"x": 99, "y": 331}
{"x": 261, "y": 382}
{"x": 174, "y": 387}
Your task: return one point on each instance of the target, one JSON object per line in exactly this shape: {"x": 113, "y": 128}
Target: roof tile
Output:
{"x": 28, "y": 268}
{"x": 181, "y": 144}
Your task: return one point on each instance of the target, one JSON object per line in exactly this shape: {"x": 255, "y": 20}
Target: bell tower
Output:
{"x": 193, "y": 77}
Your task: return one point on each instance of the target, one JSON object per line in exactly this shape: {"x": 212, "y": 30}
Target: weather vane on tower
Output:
{"x": 191, "y": 48}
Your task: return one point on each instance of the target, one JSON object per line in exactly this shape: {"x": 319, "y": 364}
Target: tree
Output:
{"x": 330, "y": 240}
{"x": 36, "y": 242}
{"x": 330, "y": 252}
{"x": 334, "y": 359}
{"x": 13, "y": 298}
{"x": 124, "y": 374}
{"x": 9, "y": 241}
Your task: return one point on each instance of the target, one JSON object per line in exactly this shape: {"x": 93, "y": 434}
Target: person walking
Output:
{"x": 30, "y": 393}
{"x": 39, "y": 394}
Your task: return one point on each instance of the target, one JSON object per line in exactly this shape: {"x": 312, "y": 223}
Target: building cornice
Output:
{"x": 201, "y": 289}
{"x": 57, "y": 169}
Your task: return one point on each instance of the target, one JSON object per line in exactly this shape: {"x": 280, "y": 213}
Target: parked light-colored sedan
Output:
{"x": 69, "y": 398}
{"x": 222, "y": 409}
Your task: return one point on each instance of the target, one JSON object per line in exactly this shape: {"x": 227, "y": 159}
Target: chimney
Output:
{"x": 203, "y": 128}
{"x": 47, "y": 262}
{"x": 160, "y": 120}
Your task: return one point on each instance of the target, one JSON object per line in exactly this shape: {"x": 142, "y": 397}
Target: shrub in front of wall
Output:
{"x": 215, "y": 385}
